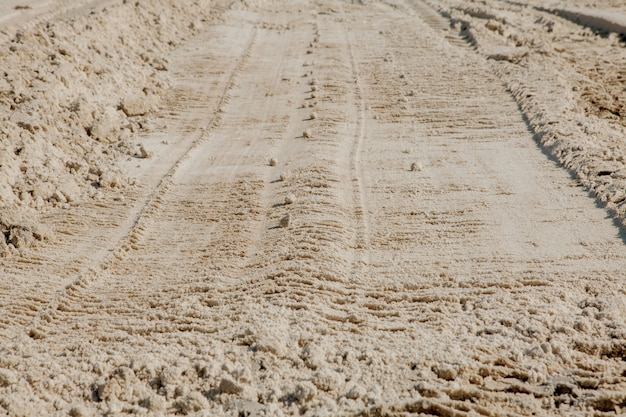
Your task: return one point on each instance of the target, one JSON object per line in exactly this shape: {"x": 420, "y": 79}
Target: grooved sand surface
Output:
{"x": 252, "y": 208}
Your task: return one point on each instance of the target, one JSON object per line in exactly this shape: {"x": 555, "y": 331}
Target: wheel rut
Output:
{"x": 210, "y": 211}
{"x": 361, "y": 213}
{"x": 223, "y": 231}
{"x": 470, "y": 210}
{"x": 126, "y": 230}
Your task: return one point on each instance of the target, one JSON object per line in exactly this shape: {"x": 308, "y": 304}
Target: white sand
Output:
{"x": 442, "y": 240}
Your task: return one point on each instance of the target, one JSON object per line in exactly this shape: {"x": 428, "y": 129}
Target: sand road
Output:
{"x": 345, "y": 212}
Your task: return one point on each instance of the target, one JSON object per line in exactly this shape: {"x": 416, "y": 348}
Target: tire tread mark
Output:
{"x": 47, "y": 313}
{"x": 362, "y": 229}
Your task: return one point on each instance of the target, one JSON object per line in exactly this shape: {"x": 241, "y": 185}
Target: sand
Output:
{"x": 266, "y": 208}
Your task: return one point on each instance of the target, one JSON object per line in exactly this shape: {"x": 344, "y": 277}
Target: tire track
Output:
{"x": 87, "y": 235}
{"x": 313, "y": 258}
{"x": 568, "y": 83}
{"x": 322, "y": 187}
{"x": 597, "y": 21}
{"x": 331, "y": 249}
{"x": 434, "y": 19}
{"x": 132, "y": 227}
{"x": 361, "y": 210}
{"x": 44, "y": 271}
{"x": 217, "y": 233}
{"x": 451, "y": 126}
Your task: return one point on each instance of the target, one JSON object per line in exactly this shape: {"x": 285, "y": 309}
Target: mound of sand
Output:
{"x": 73, "y": 92}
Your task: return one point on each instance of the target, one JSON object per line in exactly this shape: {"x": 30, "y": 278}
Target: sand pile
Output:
{"x": 73, "y": 93}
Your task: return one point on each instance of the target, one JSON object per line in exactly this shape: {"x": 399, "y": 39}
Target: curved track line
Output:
{"x": 361, "y": 256}
{"x": 91, "y": 275}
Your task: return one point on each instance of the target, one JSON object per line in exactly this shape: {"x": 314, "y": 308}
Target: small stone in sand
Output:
{"x": 313, "y": 116}
{"x": 290, "y": 199}
{"x": 228, "y": 386}
{"x": 446, "y": 372}
{"x": 307, "y": 133}
{"x": 273, "y": 162}
{"x": 416, "y": 166}
{"x": 284, "y": 222}
{"x": 143, "y": 153}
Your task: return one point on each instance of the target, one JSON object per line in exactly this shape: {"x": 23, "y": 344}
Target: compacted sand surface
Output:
{"x": 319, "y": 208}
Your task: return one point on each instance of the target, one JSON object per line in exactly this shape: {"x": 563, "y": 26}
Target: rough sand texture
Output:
{"x": 441, "y": 239}
{"x": 74, "y": 91}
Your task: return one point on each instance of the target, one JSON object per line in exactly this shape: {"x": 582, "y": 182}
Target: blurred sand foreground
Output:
{"x": 320, "y": 208}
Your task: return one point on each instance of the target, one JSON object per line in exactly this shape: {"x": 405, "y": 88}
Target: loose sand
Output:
{"x": 320, "y": 208}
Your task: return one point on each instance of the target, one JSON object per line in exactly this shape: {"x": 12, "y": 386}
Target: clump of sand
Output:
{"x": 73, "y": 93}
{"x": 19, "y": 231}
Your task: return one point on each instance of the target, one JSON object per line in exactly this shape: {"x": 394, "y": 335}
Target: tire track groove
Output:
{"x": 361, "y": 212}
{"x": 45, "y": 316}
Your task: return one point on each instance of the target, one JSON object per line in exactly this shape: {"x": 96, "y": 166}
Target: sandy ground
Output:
{"x": 320, "y": 208}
